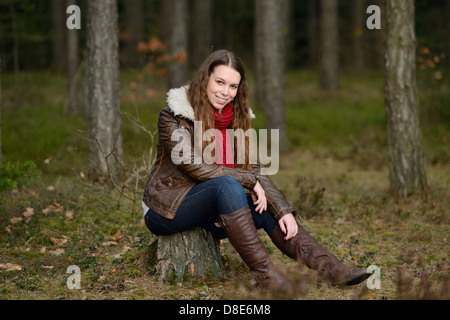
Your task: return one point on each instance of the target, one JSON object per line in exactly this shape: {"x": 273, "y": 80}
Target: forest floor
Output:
{"x": 339, "y": 186}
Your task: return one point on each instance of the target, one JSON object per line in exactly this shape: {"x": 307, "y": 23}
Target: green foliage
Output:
{"x": 13, "y": 176}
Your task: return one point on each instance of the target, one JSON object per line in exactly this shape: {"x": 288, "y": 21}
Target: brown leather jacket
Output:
{"x": 169, "y": 183}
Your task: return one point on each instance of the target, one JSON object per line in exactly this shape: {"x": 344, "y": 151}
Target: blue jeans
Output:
{"x": 202, "y": 206}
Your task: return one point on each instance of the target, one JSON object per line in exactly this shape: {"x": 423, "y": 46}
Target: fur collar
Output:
{"x": 178, "y": 103}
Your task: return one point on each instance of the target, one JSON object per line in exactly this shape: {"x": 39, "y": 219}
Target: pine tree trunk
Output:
{"x": 405, "y": 147}
{"x": 201, "y": 31}
{"x": 175, "y": 12}
{"x": 329, "y": 78}
{"x": 134, "y": 31}
{"x": 73, "y": 62}
{"x": 102, "y": 86}
{"x": 0, "y": 110}
{"x": 270, "y": 64}
{"x": 358, "y": 26}
{"x": 185, "y": 257}
{"x": 58, "y": 33}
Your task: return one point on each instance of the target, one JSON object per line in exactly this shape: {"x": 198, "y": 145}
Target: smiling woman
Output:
{"x": 189, "y": 194}
{"x": 222, "y": 86}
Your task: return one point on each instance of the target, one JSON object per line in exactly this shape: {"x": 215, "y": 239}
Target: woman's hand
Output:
{"x": 259, "y": 198}
{"x": 289, "y": 226}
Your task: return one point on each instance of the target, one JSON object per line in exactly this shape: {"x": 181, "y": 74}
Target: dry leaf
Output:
{"x": 43, "y": 250}
{"x": 8, "y": 229}
{"x": 47, "y": 267}
{"x": 69, "y": 215}
{"x": 47, "y": 161}
{"x": 55, "y": 207}
{"x": 10, "y": 267}
{"x": 16, "y": 220}
{"x": 118, "y": 236}
{"x": 51, "y": 188}
{"x": 59, "y": 242}
{"x": 57, "y": 252}
{"x": 28, "y": 212}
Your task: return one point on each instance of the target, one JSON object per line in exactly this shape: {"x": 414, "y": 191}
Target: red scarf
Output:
{"x": 222, "y": 121}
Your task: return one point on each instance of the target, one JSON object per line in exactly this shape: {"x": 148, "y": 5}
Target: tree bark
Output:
{"x": 201, "y": 31}
{"x": 175, "y": 12}
{"x": 102, "y": 86}
{"x": 1, "y": 110}
{"x": 58, "y": 32}
{"x": 329, "y": 77}
{"x": 270, "y": 66}
{"x": 405, "y": 146}
{"x": 134, "y": 32}
{"x": 73, "y": 61}
{"x": 358, "y": 26}
{"x": 185, "y": 257}
{"x": 312, "y": 33}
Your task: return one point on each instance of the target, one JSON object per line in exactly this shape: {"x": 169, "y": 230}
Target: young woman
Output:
{"x": 184, "y": 192}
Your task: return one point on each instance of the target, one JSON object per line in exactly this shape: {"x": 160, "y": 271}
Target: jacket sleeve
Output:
{"x": 167, "y": 125}
{"x": 277, "y": 204}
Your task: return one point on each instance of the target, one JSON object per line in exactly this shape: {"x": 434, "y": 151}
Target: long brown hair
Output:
{"x": 199, "y": 100}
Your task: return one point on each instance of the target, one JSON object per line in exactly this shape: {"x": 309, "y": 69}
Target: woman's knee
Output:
{"x": 230, "y": 184}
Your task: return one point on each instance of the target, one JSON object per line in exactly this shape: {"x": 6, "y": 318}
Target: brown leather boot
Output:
{"x": 307, "y": 250}
{"x": 243, "y": 235}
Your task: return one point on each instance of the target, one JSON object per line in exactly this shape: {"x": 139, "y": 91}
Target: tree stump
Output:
{"x": 186, "y": 256}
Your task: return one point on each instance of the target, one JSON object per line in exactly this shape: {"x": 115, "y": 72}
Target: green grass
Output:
{"x": 337, "y": 146}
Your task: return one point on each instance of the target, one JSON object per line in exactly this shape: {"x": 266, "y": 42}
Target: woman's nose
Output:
{"x": 225, "y": 90}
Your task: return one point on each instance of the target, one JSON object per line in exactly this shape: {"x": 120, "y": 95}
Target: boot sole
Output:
{"x": 358, "y": 279}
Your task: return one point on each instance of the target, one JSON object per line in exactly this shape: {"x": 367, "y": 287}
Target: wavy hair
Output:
{"x": 199, "y": 100}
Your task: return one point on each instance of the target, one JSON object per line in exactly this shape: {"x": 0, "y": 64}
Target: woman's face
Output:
{"x": 222, "y": 86}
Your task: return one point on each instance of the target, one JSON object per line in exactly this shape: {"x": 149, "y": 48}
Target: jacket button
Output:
{"x": 169, "y": 184}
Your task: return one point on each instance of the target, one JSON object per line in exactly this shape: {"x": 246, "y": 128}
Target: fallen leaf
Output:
{"x": 55, "y": 207}
{"x": 47, "y": 267}
{"x": 118, "y": 236}
{"x": 28, "y": 212}
{"x": 10, "y": 267}
{"x": 16, "y": 220}
{"x": 51, "y": 188}
{"x": 57, "y": 252}
{"x": 8, "y": 229}
{"x": 60, "y": 241}
{"x": 69, "y": 215}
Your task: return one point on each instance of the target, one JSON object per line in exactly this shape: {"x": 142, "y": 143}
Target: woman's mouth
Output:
{"x": 221, "y": 100}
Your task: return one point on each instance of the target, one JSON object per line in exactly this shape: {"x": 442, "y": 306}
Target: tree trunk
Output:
{"x": 329, "y": 78}
{"x": 0, "y": 110}
{"x": 134, "y": 32}
{"x": 405, "y": 148}
{"x": 270, "y": 66}
{"x": 201, "y": 31}
{"x": 73, "y": 62}
{"x": 58, "y": 32}
{"x": 175, "y": 12}
{"x": 102, "y": 86}
{"x": 312, "y": 33}
{"x": 358, "y": 26}
{"x": 185, "y": 257}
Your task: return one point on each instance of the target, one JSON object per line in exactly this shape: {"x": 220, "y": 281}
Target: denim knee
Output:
{"x": 231, "y": 194}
